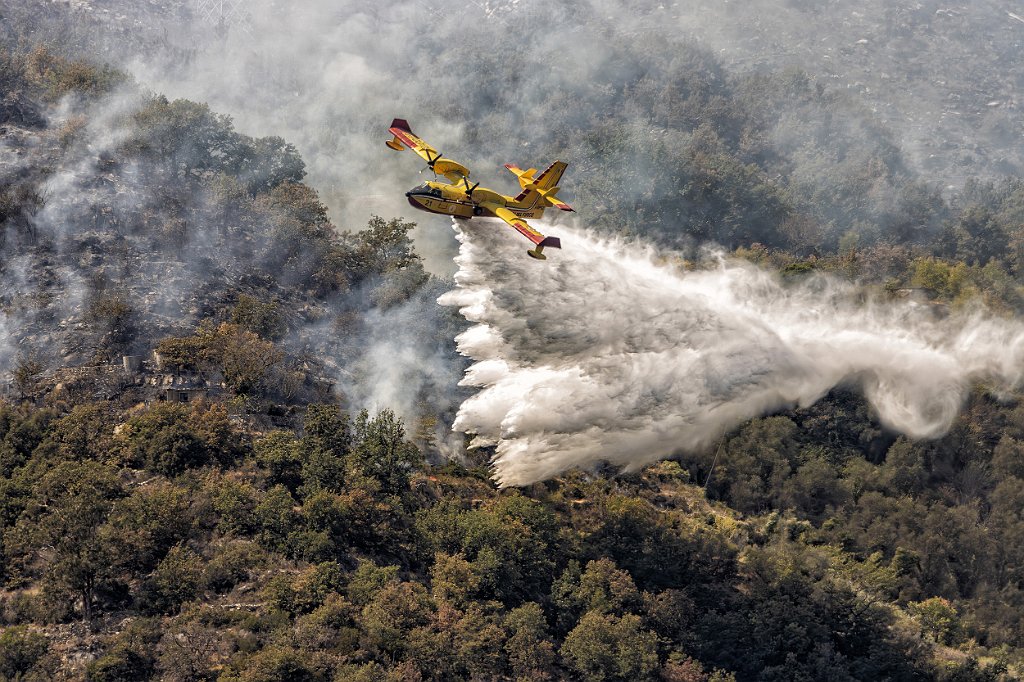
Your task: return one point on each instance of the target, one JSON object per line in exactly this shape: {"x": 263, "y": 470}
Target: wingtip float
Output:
{"x": 461, "y": 199}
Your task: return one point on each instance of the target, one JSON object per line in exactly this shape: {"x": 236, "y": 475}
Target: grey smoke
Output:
{"x": 610, "y": 351}
{"x": 403, "y": 363}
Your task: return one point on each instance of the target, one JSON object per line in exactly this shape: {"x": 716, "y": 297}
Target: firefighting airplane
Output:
{"x": 460, "y": 199}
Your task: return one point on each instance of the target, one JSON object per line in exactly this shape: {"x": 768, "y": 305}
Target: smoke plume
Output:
{"x": 610, "y": 352}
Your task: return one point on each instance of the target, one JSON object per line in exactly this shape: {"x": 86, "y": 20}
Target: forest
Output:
{"x": 276, "y": 531}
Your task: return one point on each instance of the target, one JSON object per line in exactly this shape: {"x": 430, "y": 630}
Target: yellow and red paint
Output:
{"x": 462, "y": 200}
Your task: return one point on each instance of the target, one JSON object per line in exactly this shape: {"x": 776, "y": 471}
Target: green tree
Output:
{"x": 145, "y": 525}
{"x": 382, "y": 453}
{"x": 528, "y": 646}
{"x": 234, "y": 502}
{"x": 232, "y": 564}
{"x": 60, "y": 529}
{"x": 392, "y": 613}
{"x": 385, "y": 246}
{"x": 938, "y": 618}
{"x": 601, "y": 587}
{"x": 244, "y": 358}
{"x": 24, "y": 433}
{"x": 26, "y": 374}
{"x": 191, "y": 648}
{"x": 939, "y": 277}
{"x": 277, "y": 519}
{"x": 368, "y": 580}
{"x": 814, "y": 488}
{"x": 87, "y": 432}
{"x": 58, "y": 76}
{"x": 326, "y": 440}
{"x": 163, "y": 440}
{"x": 122, "y": 663}
{"x": 261, "y": 318}
{"x": 114, "y": 319}
{"x": 511, "y": 545}
{"x": 331, "y": 626}
{"x": 305, "y": 591}
{"x": 274, "y": 664}
{"x": 603, "y": 647}
{"x": 979, "y": 237}
{"x": 269, "y": 162}
{"x": 758, "y": 461}
{"x": 453, "y": 580}
{"x": 175, "y": 581}
{"x": 279, "y": 454}
{"x": 185, "y": 136}
{"x": 905, "y": 467}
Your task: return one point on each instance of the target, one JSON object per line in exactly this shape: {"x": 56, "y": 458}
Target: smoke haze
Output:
{"x": 608, "y": 352}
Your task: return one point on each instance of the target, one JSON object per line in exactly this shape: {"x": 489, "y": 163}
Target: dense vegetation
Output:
{"x": 272, "y": 535}
{"x": 199, "y": 550}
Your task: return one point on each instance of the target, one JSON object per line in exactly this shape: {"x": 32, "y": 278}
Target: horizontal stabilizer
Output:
{"x": 525, "y": 176}
{"x": 552, "y": 200}
{"x": 545, "y": 185}
{"x": 400, "y": 129}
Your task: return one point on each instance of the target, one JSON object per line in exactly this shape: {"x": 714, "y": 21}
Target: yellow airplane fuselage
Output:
{"x": 446, "y": 199}
{"x": 460, "y": 199}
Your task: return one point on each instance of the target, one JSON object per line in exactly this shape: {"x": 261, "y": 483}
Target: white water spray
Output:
{"x": 602, "y": 353}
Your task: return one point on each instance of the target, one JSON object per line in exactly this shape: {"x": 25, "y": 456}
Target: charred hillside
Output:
{"x": 131, "y": 220}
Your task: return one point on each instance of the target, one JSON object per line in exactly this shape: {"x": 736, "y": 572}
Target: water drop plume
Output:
{"x": 609, "y": 351}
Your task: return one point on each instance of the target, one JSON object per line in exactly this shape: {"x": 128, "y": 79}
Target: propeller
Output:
{"x": 469, "y": 190}
{"x": 431, "y": 162}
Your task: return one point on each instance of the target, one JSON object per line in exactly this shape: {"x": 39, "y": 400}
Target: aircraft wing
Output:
{"x": 522, "y": 227}
{"x": 452, "y": 170}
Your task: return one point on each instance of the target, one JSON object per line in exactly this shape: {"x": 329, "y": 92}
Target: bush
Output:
{"x": 232, "y": 565}
{"x": 163, "y": 440}
{"x": 263, "y": 319}
{"x": 58, "y": 76}
{"x": 304, "y": 591}
{"x": 23, "y": 654}
{"x": 123, "y": 663}
{"x": 274, "y": 664}
{"x": 174, "y": 582}
{"x": 602, "y": 647}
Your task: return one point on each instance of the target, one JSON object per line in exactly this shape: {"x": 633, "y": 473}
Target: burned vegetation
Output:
{"x": 137, "y": 228}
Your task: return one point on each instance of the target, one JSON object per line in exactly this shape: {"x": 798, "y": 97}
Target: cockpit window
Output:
{"x": 427, "y": 189}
